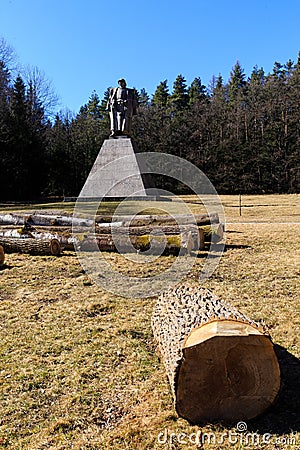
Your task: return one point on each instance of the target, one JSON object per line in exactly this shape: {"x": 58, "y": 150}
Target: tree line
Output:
{"x": 244, "y": 134}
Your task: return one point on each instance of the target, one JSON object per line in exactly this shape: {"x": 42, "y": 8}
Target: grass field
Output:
{"x": 78, "y": 366}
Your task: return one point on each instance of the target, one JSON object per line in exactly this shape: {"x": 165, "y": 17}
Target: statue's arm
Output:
{"x": 134, "y": 104}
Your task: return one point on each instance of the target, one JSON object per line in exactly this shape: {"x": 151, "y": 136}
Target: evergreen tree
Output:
{"x": 60, "y": 170}
{"x": 143, "y": 98}
{"x": 178, "y": 100}
{"x": 26, "y": 129}
{"x": 105, "y": 124}
{"x": 236, "y": 81}
{"x": 197, "y": 91}
{"x": 219, "y": 84}
{"x": 5, "y": 148}
{"x": 161, "y": 94}
{"x": 19, "y": 140}
{"x": 93, "y": 107}
{"x": 278, "y": 70}
{"x": 257, "y": 76}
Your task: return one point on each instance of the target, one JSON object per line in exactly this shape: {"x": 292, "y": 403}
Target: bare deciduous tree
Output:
{"x": 42, "y": 89}
{"x": 7, "y": 54}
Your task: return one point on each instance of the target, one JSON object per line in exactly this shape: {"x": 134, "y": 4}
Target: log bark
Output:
{"x": 221, "y": 365}
{"x": 65, "y": 239}
{"x": 44, "y": 220}
{"x": 2, "y": 255}
{"x": 142, "y": 230}
{"x": 170, "y": 244}
{"x": 144, "y": 220}
{"x": 210, "y": 233}
{"x": 139, "y": 220}
{"x": 30, "y": 245}
{"x": 156, "y": 230}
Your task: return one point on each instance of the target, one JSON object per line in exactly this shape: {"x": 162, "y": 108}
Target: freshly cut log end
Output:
{"x": 2, "y": 255}
{"x": 55, "y": 247}
{"x": 229, "y": 372}
{"x": 221, "y": 365}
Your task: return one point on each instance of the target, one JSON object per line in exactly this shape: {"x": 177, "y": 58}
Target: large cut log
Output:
{"x": 221, "y": 365}
{"x": 30, "y": 245}
{"x": 65, "y": 239}
{"x": 155, "y": 230}
{"x": 2, "y": 255}
{"x": 11, "y": 219}
{"x": 44, "y": 220}
{"x": 147, "y": 229}
{"x": 213, "y": 232}
{"x": 143, "y": 220}
{"x": 138, "y": 220}
{"x": 154, "y": 244}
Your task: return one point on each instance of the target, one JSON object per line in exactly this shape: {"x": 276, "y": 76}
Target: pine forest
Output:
{"x": 244, "y": 134}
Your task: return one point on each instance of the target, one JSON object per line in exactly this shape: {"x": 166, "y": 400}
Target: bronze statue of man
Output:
{"x": 122, "y": 105}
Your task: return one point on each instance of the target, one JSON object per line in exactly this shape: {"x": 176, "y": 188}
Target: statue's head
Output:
{"x": 122, "y": 82}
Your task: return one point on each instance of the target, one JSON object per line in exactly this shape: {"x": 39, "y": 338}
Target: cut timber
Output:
{"x": 65, "y": 239}
{"x": 156, "y": 230}
{"x": 213, "y": 233}
{"x": 2, "y": 255}
{"x": 221, "y": 365}
{"x": 138, "y": 220}
{"x": 31, "y": 246}
{"x": 156, "y": 219}
{"x": 147, "y": 229}
{"x": 44, "y": 220}
{"x": 170, "y": 244}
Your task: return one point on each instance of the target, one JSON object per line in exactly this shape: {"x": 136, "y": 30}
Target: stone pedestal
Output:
{"x": 117, "y": 174}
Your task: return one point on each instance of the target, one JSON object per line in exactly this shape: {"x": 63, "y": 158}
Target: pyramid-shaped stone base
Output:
{"x": 117, "y": 174}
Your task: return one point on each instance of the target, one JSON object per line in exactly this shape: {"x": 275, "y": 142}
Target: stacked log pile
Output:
{"x": 50, "y": 234}
{"x": 221, "y": 364}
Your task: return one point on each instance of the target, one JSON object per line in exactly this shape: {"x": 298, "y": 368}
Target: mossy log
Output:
{"x": 208, "y": 233}
{"x": 213, "y": 233}
{"x": 221, "y": 365}
{"x": 30, "y": 245}
{"x": 170, "y": 244}
{"x": 2, "y": 255}
{"x": 155, "y": 230}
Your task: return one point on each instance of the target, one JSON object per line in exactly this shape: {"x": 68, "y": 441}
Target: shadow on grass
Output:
{"x": 284, "y": 416}
{"x": 218, "y": 250}
{"x": 233, "y": 246}
{"x": 5, "y": 267}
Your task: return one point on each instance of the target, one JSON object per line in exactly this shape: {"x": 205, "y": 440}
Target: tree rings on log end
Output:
{"x": 55, "y": 248}
{"x": 229, "y": 372}
{"x": 2, "y": 255}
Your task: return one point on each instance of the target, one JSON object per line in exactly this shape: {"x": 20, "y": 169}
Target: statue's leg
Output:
{"x": 113, "y": 121}
{"x": 127, "y": 123}
{"x": 120, "y": 116}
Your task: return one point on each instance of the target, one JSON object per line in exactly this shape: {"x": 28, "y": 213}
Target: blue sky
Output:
{"x": 83, "y": 46}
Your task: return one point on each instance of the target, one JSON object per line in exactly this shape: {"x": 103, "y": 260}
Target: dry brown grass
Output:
{"x": 78, "y": 365}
